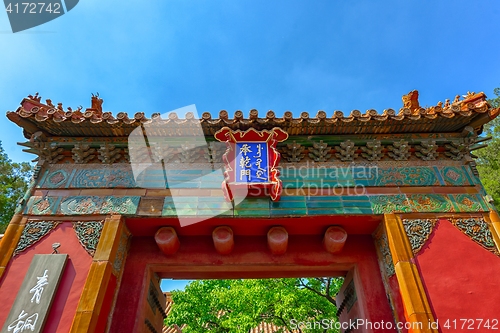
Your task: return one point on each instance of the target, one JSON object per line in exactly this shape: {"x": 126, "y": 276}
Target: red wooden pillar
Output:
{"x": 101, "y": 285}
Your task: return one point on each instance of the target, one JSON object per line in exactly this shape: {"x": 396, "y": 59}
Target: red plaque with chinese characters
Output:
{"x": 251, "y": 162}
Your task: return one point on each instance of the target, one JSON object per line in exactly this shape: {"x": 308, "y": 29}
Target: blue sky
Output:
{"x": 159, "y": 55}
{"x": 169, "y": 284}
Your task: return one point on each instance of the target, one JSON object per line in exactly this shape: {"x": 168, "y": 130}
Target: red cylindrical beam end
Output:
{"x": 223, "y": 239}
{"x": 334, "y": 239}
{"x": 277, "y": 240}
{"x": 167, "y": 240}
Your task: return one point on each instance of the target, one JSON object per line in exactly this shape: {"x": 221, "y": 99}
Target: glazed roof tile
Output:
{"x": 474, "y": 111}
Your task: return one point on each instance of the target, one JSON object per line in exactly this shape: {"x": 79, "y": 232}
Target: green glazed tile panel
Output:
{"x": 356, "y": 204}
{"x": 168, "y": 208}
{"x": 253, "y": 207}
{"x": 439, "y": 176}
{"x": 82, "y": 205}
{"x": 407, "y": 176}
{"x": 382, "y": 204}
{"x": 324, "y": 205}
{"x": 87, "y": 205}
{"x": 263, "y": 207}
{"x": 430, "y": 203}
{"x": 455, "y": 176}
{"x": 55, "y": 179}
{"x": 301, "y": 177}
{"x": 485, "y": 206}
{"x": 289, "y": 206}
{"x": 41, "y": 205}
{"x": 213, "y": 206}
{"x": 465, "y": 202}
{"x": 186, "y": 206}
{"x": 103, "y": 178}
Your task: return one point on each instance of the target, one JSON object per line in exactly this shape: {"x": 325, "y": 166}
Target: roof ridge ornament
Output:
{"x": 96, "y": 105}
{"x": 410, "y": 101}
{"x": 52, "y": 119}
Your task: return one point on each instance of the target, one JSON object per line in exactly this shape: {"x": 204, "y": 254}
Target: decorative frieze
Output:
{"x": 32, "y": 233}
{"x": 121, "y": 252}
{"x": 427, "y": 203}
{"x": 430, "y": 202}
{"x": 418, "y": 232}
{"x": 88, "y": 205}
{"x": 346, "y": 151}
{"x": 99, "y": 178}
{"x": 478, "y": 230}
{"x": 194, "y": 205}
{"x": 382, "y": 204}
{"x": 454, "y": 176}
{"x": 386, "y": 256}
{"x": 88, "y": 233}
{"x": 40, "y": 205}
{"x": 468, "y": 202}
{"x": 56, "y": 179}
{"x": 409, "y": 176}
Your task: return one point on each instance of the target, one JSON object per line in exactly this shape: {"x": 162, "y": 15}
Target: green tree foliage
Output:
{"x": 240, "y": 305}
{"x": 488, "y": 163}
{"x": 14, "y": 179}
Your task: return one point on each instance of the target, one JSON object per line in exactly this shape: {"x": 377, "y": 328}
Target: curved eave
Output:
{"x": 33, "y": 116}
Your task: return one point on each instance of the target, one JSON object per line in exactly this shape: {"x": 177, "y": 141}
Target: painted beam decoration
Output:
{"x": 32, "y": 305}
{"x": 251, "y": 162}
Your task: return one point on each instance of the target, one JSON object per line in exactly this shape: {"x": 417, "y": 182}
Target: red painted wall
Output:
{"x": 461, "y": 279}
{"x": 71, "y": 285}
{"x": 199, "y": 254}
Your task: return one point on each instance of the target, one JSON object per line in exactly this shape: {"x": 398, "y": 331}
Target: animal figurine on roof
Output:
{"x": 410, "y": 101}
{"x": 96, "y": 104}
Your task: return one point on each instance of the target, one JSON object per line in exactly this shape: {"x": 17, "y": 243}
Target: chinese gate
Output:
{"x": 390, "y": 201}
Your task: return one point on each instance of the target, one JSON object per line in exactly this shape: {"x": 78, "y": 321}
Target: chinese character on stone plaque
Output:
{"x": 251, "y": 162}
{"x": 34, "y": 299}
